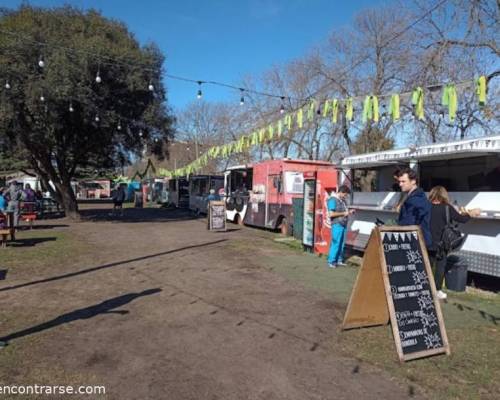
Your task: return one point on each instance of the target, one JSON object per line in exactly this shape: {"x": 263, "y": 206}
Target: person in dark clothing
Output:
{"x": 118, "y": 199}
{"x": 438, "y": 196}
{"x": 395, "y": 186}
{"x": 416, "y": 209}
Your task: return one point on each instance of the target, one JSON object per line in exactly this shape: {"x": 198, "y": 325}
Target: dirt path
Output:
{"x": 160, "y": 308}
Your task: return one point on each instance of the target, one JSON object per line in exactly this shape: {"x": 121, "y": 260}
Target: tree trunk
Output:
{"x": 68, "y": 200}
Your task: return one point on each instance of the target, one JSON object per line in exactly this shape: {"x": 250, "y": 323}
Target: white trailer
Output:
{"x": 469, "y": 169}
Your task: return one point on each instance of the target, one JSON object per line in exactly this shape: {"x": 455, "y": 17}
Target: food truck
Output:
{"x": 261, "y": 194}
{"x": 178, "y": 192}
{"x": 468, "y": 169}
{"x": 199, "y": 188}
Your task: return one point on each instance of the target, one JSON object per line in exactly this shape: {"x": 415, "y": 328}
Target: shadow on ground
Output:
{"x": 114, "y": 264}
{"x": 131, "y": 215}
{"x": 105, "y": 307}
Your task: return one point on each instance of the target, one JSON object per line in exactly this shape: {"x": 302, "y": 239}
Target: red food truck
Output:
{"x": 261, "y": 194}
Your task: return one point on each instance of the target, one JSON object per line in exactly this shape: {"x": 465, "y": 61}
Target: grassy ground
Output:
{"x": 472, "y": 320}
{"x": 472, "y": 323}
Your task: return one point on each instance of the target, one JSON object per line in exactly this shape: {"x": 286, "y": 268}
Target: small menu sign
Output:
{"x": 217, "y": 216}
{"x": 396, "y": 267}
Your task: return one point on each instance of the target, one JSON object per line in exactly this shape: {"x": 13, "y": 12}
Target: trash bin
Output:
{"x": 456, "y": 273}
{"x": 138, "y": 199}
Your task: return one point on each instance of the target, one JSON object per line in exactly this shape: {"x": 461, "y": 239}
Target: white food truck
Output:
{"x": 469, "y": 169}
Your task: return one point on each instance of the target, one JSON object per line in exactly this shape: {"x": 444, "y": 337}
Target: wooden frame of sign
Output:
{"x": 380, "y": 293}
{"x": 220, "y": 224}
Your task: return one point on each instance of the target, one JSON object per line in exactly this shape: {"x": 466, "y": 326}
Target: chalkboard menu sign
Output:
{"x": 217, "y": 216}
{"x": 395, "y": 282}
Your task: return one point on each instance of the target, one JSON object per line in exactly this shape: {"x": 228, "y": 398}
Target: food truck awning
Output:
{"x": 450, "y": 150}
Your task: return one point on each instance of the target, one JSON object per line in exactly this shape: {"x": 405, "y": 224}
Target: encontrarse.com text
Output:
{"x": 50, "y": 389}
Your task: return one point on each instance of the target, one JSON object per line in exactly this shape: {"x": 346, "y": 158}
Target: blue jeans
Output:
{"x": 336, "y": 253}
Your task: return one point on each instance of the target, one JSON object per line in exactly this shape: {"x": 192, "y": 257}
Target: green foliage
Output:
{"x": 75, "y": 46}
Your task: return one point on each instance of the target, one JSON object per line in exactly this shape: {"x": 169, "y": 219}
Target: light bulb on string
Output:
{"x": 97, "y": 119}
{"x": 199, "y": 94}
{"x": 242, "y": 99}
{"x": 282, "y": 107}
{"x": 42, "y": 98}
{"x": 7, "y": 85}
{"x": 151, "y": 88}
{"x": 98, "y": 77}
{"x": 41, "y": 63}
{"x": 119, "y": 127}
{"x": 140, "y": 133}
{"x": 71, "y": 109}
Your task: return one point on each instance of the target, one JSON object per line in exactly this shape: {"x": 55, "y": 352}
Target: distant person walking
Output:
{"x": 416, "y": 208}
{"x": 338, "y": 213}
{"x": 118, "y": 199}
{"x": 438, "y": 196}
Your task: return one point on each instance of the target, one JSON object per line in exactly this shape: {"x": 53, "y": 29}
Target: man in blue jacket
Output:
{"x": 416, "y": 209}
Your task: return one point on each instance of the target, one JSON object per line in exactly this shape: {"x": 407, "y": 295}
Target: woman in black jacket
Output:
{"x": 438, "y": 196}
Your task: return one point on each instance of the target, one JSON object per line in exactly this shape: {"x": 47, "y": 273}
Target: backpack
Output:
{"x": 451, "y": 237}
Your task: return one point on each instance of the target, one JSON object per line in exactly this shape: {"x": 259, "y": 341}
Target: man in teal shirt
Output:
{"x": 338, "y": 213}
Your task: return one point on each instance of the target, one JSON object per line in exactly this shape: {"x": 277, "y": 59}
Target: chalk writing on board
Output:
{"x": 411, "y": 293}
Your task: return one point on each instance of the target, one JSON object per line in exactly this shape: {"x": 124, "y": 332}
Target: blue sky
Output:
{"x": 223, "y": 40}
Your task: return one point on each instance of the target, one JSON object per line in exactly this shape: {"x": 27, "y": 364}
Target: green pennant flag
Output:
{"x": 280, "y": 128}
{"x": 326, "y": 108}
{"x": 367, "y": 109}
{"x": 288, "y": 121}
{"x": 335, "y": 110}
{"x": 270, "y": 132}
{"x": 349, "y": 109}
{"x": 394, "y": 107}
{"x": 300, "y": 118}
{"x": 449, "y": 99}
{"x": 481, "y": 90}
{"x": 311, "y": 110}
{"x": 255, "y": 139}
{"x": 370, "y": 109}
{"x": 417, "y": 99}
{"x": 262, "y": 135}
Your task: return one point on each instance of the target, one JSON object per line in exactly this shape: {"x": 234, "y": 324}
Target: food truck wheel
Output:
{"x": 283, "y": 226}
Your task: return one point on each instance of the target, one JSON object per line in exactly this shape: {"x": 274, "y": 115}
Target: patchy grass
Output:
{"x": 472, "y": 323}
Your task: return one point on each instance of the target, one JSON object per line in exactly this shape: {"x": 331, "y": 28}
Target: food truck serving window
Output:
{"x": 241, "y": 180}
{"x": 462, "y": 174}
{"x": 294, "y": 182}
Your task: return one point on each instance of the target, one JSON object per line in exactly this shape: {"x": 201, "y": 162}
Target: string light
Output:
{"x": 97, "y": 119}
{"x": 98, "y": 76}
{"x": 41, "y": 63}
{"x": 42, "y": 98}
{"x": 199, "y": 94}
{"x": 7, "y": 85}
{"x": 151, "y": 88}
{"x": 119, "y": 127}
{"x": 71, "y": 109}
{"x": 242, "y": 100}
{"x": 140, "y": 132}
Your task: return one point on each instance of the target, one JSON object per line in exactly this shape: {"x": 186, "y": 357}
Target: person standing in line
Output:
{"x": 438, "y": 196}
{"x": 338, "y": 213}
{"x": 416, "y": 208}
